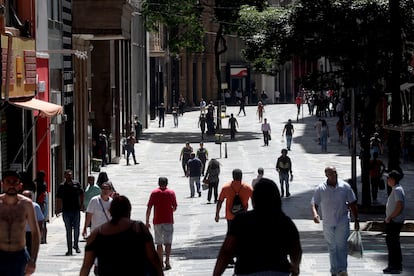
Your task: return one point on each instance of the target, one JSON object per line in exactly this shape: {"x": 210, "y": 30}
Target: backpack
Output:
{"x": 237, "y": 206}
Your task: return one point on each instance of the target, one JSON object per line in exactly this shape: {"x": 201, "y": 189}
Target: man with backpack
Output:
{"x": 237, "y": 194}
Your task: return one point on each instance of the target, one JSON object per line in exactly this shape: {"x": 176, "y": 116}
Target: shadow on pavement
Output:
{"x": 195, "y": 137}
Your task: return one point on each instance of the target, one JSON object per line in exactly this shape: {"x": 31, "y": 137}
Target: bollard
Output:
{"x": 225, "y": 150}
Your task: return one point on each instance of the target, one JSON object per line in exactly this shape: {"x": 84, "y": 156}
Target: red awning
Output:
{"x": 46, "y": 109}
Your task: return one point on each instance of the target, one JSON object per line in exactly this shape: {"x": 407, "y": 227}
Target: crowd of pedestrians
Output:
{"x": 107, "y": 215}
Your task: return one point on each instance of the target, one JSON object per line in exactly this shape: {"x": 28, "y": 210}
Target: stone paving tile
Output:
{"x": 197, "y": 237}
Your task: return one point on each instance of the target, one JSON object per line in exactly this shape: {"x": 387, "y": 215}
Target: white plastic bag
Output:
{"x": 355, "y": 247}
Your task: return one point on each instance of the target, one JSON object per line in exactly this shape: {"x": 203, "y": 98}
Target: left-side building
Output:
{"x": 27, "y": 112}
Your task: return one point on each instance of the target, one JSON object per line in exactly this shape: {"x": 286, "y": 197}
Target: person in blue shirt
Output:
{"x": 336, "y": 198}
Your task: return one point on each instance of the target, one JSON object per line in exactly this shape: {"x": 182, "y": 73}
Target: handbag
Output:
{"x": 269, "y": 137}
{"x": 355, "y": 247}
{"x": 204, "y": 186}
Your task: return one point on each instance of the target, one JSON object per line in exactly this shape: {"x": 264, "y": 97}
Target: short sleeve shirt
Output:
{"x": 39, "y": 215}
{"x": 70, "y": 195}
{"x": 164, "y": 203}
{"x": 229, "y": 191}
{"x": 98, "y": 214}
{"x": 397, "y": 194}
{"x": 334, "y": 202}
{"x": 289, "y": 128}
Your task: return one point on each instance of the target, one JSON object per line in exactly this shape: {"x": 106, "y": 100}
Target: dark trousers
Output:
{"x": 212, "y": 188}
{"x": 72, "y": 221}
{"x": 392, "y": 238}
{"x": 129, "y": 152}
{"x": 266, "y": 137}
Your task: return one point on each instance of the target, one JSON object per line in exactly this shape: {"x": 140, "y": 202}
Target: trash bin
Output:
{"x": 96, "y": 164}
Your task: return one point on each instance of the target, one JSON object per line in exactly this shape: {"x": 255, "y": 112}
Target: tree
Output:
{"x": 226, "y": 14}
{"x": 181, "y": 18}
{"x": 354, "y": 35}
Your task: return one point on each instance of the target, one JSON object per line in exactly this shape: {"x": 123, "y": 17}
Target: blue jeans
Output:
{"x": 13, "y": 263}
{"x": 195, "y": 179}
{"x": 288, "y": 141}
{"x": 337, "y": 237}
{"x": 324, "y": 143}
{"x": 72, "y": 221}
{"x": 284, "y": 182}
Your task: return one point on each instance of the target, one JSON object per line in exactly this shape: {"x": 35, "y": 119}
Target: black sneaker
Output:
{"x": 390, "y": 270}
{"x": 69, "y": 253}
{"x": 77, "y": 250}
{"x": 199, "y": 194}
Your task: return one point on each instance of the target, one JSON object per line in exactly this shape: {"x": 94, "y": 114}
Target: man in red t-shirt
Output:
{"x": 165, "y": 203}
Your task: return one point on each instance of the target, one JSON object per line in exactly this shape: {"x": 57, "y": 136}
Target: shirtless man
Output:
{"x": 15, "y": 211}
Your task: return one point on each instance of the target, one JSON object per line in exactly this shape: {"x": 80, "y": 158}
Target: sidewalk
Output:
{"x": 197, "y": 237}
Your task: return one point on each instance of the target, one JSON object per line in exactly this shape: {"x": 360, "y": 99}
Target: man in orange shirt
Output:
{"x": 229, "y": 191}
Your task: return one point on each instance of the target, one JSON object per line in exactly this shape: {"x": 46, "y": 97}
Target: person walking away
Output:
{"x": 376, "y": 169}
{"x": 260, "y": 110}
{"x": 203, "y": 106}
{"x": 233, "y": 125}
{"x": 69, "y": 201}
{"x": 336, "y": 198}
{"x": 340, "y": 129}
{"x": 288, "y": 129}
{"x": 284, "y": 168}
{"x": 175, "y": 115}
{"x": 324, "y": 136}
{"x": 161, "y": 115}
{"x": 242, "y": 105}
{"x": 202, "y": 121}
{"x": 375, "y": 144}
{"x": 348, "y": 133}
{"x": 39, "y": 218}
{"x": 228, "y": 193}
{"x": 260, "y": 173}
{"x": 318, "y": 127}
{"x": 165, "y": 204}
{"x": 265, "y": 224}
{"x": 202, "y": 154}
{"x": 298, "y": 102}
{"x": 394, "y": 221}
{"x": 130, "y": 147}
{"x": 122, "y": 246}
{"x": 212, "y": 176}
{"x": 15, "y": 211}
{"x": 194, "y": 167}
{"x": 266, "y": 132}
{"x": 185, "y": 156}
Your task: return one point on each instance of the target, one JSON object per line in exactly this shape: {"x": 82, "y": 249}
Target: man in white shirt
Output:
{"x": 98, "y": 208}
{"x": 266, "y": 132}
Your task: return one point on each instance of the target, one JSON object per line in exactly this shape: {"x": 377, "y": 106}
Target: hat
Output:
{"x": 10, "y": 173}
{"x": 394, "y": 174}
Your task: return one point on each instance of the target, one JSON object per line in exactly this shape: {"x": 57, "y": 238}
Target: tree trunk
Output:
{"x": 394, "y": 148}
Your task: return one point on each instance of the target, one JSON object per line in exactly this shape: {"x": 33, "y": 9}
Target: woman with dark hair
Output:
{"x": 102, "y": 177}
{"x": 264, "y": 226}
{"x": 212, "y": 176}
{"x": 122, "y": 246}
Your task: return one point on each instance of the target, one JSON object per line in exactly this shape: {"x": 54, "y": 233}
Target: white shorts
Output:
{"x": 163, "y": 233}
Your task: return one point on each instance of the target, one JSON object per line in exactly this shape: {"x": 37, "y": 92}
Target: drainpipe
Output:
{"x": 8, "y": 63}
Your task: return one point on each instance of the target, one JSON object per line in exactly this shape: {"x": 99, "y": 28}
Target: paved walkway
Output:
{"x": 197, "y": 237}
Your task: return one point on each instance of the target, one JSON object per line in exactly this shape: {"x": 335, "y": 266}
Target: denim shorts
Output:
{"x": 13, "y": 263}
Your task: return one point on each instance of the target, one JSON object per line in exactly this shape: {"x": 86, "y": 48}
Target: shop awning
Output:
{"x": 46, "y": 109}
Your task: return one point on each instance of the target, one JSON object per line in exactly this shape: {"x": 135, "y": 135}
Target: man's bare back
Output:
{"x": 14, "y": 214}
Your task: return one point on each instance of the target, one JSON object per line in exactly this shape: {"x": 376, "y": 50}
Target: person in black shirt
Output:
{"x": 69, "y": 202}
{"x": 265, "y": 225}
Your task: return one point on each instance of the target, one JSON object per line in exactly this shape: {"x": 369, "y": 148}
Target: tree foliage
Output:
{"x": 181, "y": 18}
